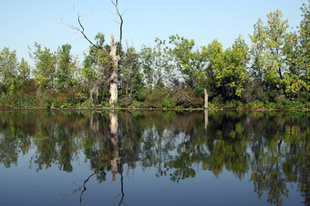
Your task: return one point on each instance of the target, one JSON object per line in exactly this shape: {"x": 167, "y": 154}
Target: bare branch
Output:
{"x": 124, "y": 11}
{"x": 121, "y": 25}
{"x": 81, "y": 29}
{"x": 116, "y": 22}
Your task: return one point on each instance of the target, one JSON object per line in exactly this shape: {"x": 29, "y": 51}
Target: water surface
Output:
{"x": 154, "y": 158}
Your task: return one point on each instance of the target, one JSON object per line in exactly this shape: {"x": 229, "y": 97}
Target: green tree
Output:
{"x": 23, "y": 72}
{"x": 97, "y": 68}
{"x": 191, "y": 63}
{"x": 190, "y": 77}
{"x": 294, "y": 78}
{"x": 214, "y": 54}
{"x": 268, "y": 43}
{"x": 146, "y": 60}
{"x": 45, "y": 67}
{"x": 234, "y": 73}
{"x": 65, "y": 68}
{"x": 131, "y": 77}
{"x": 227, "y": 69}
{"x": 304, "y": 45}
{"x": 8, "y": 71}
{"x": 156, "y": 64}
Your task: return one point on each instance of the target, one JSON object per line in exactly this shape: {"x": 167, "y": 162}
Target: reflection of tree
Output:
{"x": 270, "y": 170}
{"x": 103, "y": 148}
{"x": 304, "y": 183}
{"x": 13, "y": 139}
{"x": 55, "y": 141}
{"x": 83, "y": 187}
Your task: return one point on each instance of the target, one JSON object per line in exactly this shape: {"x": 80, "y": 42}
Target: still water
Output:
{"x": 154, "y": 158}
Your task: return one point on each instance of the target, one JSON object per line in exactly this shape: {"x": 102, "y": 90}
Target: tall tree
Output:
{"x": 45, "y": 66}
{"x": 227, "y": 69}
{"x": 8, "y": 71}
{"x": 23, "y": 71}
{"x": 97, "y": 67}
{"x": 269, "y": 43}
{"x": 131, "y": 77}
{"x": 156, "y": 64}
{"x": 65, "y": 67}
{"x": 234, "y": 74}
{"x": 214, "y": 55}
{"x": 191, "y": 64}
{"x": 189, "y": 61}
{"x": 304, "y": 42}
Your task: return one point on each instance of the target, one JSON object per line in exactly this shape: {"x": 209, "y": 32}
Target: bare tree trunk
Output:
{"x": 206, "y": 99}
{"x": 114, "y": 75}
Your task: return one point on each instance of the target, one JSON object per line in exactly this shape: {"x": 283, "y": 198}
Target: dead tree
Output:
{"x": 114, "y": 53}
{"x": 206, "y": 99}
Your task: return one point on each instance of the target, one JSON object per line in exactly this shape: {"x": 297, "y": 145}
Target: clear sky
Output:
{"x": 24, "y": 22}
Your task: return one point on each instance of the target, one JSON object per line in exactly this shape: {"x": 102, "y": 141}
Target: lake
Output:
{"x": 154, "y": 158}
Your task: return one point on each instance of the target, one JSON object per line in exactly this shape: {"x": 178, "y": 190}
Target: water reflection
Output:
{"x": 273, "y": 147}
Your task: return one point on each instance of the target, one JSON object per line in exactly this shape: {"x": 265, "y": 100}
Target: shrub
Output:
{"x": 229, "y": 105}
{"x": 233, "y": 104}
{"x": 136, "y": 104}
{"x": 105, "y": 104}
{"x": 168, "y": 103}
{"x": 303, "y": 97}
{"x": 217, "y": 101}
{"x": 256, "y": 104}
{"x": 65, "y": 106}
{"x": 296, "y": 105}
{"x": 281, "y": 102}
{"x": 271, "y": 105}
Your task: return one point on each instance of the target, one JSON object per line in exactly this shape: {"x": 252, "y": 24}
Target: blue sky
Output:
{"x": 24, "y": 22}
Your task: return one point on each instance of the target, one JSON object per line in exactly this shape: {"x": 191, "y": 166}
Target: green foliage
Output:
{"x": 271, "y": 105}
{"x": 130, "y": 76}
{"x": 65, "y": 68}
{"x": 217, "y": 101}
{"x": 137, "y": 104}
{"x": 12, "y": 73}
{"x": 45, "y": 67}
{"x": 156, "y": 65}
{"x": 233, "y": 104}
{"x": 168, "y": 103}
{"x": 105, "y": 104}
{"x": 65, "y": 106}
{"x": 189, "y": 62}
{"x": 44, "y": 99}
{"x": 269, "y": 49}
{"x": 296, "y": 105}
{"x": 227, "y": 69}
{"x": 281, "y": 102}
{"x": 256, "y": 104}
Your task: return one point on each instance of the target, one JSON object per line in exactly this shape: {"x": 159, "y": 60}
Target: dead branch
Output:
{"x": 121, "y": 25}
{"x": 81, "y": 28}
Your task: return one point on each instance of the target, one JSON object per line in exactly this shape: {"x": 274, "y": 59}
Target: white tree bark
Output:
{"x": 114, "y": 76}
{"x": 206, "y": 99}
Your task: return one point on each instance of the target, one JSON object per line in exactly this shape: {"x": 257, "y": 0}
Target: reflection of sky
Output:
{"x": 141, "y": 187}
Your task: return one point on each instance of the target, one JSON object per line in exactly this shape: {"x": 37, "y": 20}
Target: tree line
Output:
{"x": 272, "y": 73}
